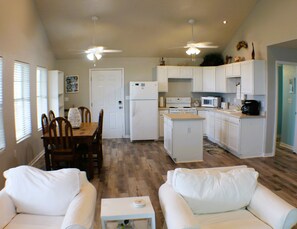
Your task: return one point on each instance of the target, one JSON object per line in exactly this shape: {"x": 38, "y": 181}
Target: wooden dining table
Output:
{"x": 84, "y": 134}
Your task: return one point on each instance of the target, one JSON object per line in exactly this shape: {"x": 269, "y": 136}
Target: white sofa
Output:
{"x": 79, "y": 211}
{"x": 265, "y": 210}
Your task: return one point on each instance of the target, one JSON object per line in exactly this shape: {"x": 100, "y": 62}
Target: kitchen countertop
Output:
{"x": 182, "y": 116}
{"x": 237, "y": 114}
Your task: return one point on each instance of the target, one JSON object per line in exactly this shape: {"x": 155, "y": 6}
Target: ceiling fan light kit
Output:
{"x": 193, "y": 51}
{"x": 96, "y": 52}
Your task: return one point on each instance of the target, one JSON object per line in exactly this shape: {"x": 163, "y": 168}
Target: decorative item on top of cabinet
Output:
{"x": 162, "y": 62}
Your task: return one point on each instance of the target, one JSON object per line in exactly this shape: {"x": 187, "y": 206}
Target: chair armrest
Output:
{"x": 7, "y": 209}
{"x": 176, "y": 211}
{"x": 81, "y": 211}
{"x": 271, "y": 209}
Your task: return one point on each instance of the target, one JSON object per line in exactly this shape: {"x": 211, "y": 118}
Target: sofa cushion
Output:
{"x": 39, "y": 192}
{"x": 214, "y": 191}
{"x": 240, "y": 219}
{"x": 26, "y": 221}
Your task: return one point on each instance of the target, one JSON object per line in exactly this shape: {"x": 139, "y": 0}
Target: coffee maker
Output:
{"x": 251, "y": 107}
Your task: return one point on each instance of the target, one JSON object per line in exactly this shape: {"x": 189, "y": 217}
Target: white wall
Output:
{"x": 135, "y": 69}
{"x": 271, "y": 22}
{"x": 23, "y": 39}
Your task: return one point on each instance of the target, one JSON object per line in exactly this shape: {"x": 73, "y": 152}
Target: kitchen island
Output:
{"x": 183, "y": 137}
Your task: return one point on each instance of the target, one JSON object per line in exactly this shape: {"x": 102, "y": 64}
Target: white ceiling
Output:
{"x": 141, "y": 28}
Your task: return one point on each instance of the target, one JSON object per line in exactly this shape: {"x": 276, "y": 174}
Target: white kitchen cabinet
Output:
{"x": 161, "y": 122}
{"x": 233, "y": 134}
{"x": 210, "y": 130}
{"x": 233, "y": 70}
{"x": 244, "y": 137}
{"x": 197, "y": 82}
{"x": 183, "y": 137}
{"x": 209, "y": 74}
{"x": 217, "y": 127}
{"x": 253, "y": 77}
{"x": 173, "y": 72}
{"x": 220, "y": 79}
{"x": 56, "y": 92}
{"x": 160, "y": 75}
{"x": 186, "y": 72}
{"x": 203, "y": 114}
{"x": 179, "y": 72}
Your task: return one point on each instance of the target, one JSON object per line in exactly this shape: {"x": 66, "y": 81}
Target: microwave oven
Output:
{"x": 210, "y": 101}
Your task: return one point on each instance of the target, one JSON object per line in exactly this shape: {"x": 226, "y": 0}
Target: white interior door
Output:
{"x": 107, "y": 93}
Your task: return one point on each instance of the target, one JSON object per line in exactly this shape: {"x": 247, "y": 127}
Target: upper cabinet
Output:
{"x": 253, "y": 77}
{"x": 233, "y": 70}
{"x": 160, "y": 75}
{"x": 56, "y": 92}
{"x": 220, "y": 81}
{"x": 250, "y": 74}
{"x": 209, "y": 75}
{"x": 179, "y": 72}
{"x": 197, "y": 83}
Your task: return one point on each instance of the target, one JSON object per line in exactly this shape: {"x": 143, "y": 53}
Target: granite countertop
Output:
{"x": 182, "y": 116}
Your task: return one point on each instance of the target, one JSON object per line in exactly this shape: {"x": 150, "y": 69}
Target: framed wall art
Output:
{"x": 72, "y": 84}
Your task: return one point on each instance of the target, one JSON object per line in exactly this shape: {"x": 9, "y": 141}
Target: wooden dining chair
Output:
{"x": 85, "y": 114}
{"x": 51, "y": 115}
{"x": 96, "y": 147}
{"x": 44, "y": 123}
{"x": 63, "y": 153}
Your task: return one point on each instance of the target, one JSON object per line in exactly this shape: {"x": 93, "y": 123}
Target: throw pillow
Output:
{"x": 213, "y": 191}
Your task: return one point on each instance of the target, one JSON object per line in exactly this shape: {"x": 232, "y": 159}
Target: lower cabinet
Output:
{"x": 243, "y": 137}
{"x": 161, "y": 122}
{"x": 204, "y": 122}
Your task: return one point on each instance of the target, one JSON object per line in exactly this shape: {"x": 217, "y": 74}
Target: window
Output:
{"x": 41, "y": 93}
{"x": 2, "y": 135}
{"x": 22, "y": 112}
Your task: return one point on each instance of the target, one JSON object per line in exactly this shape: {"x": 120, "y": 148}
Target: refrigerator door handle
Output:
{"x": 133, "y": 109}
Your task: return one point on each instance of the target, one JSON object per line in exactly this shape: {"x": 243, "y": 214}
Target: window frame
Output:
{"x": 41, "y": 97}
{"x": 2, "y": 130}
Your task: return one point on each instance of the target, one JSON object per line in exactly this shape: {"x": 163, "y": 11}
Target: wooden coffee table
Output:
{"x": 119, "y": 209}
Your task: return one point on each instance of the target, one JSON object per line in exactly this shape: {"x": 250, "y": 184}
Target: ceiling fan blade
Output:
{"x": 111, "y": 51}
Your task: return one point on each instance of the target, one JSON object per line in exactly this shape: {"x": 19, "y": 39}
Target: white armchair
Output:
{"x": 79, "y": 212}
{"x": 265, "y": 210}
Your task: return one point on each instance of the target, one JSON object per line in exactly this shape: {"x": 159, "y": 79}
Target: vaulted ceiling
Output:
{"x": 141, "y": 28}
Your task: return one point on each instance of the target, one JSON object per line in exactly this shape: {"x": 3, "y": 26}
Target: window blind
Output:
{"x": 2, "y": 135}
{"x": 22, "y": 111}
{"x": 41, "y": 93}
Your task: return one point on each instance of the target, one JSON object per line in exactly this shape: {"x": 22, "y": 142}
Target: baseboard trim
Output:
{"x": 35, "y": 159}
{"x": 286, "y": 146}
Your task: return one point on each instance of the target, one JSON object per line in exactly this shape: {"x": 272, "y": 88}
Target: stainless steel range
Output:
{"x": 180, "y": 105}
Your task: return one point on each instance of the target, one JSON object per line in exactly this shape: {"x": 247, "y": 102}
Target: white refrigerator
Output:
{"x": 144, "y": 110}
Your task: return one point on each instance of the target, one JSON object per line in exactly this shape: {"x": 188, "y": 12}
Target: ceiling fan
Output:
{"x": 96, "y": 52}
{"x": 192, "y": 46}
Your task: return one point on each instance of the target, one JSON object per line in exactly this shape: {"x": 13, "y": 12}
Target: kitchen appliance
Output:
{"x": 224, "y": 105}
{"x": 251, "y": 107}
{"x": 143, "y": 110}
{"x": 180, "y": 105}
{"x": 161, "y": 104}
{"x": 210, "y": 101}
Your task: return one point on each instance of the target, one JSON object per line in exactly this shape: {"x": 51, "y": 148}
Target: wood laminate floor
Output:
{"x": 139, "y": 168}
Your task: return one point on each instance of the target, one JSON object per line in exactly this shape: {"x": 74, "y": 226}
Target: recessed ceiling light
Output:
{"x": 224, "y": 22}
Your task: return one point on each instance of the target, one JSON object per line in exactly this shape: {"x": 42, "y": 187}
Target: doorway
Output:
{"x": 107, "y": 93}
{"x": 286, "y": 109}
